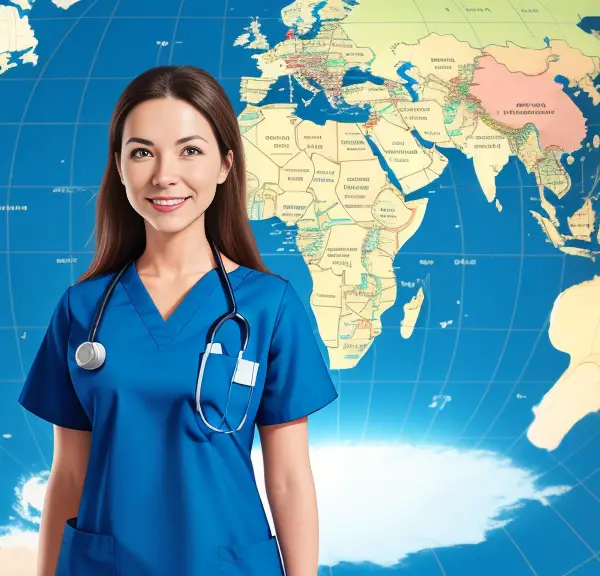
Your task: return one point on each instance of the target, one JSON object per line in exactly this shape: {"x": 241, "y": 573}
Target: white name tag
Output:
{"x": 245, "y": 372}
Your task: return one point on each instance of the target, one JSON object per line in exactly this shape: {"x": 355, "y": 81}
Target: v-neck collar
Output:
{"x": 164, "y": 331}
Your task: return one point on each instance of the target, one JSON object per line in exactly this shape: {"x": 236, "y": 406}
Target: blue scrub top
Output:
{"x": 163, "y": 493}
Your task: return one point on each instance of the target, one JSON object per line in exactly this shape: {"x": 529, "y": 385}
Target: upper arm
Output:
{"x": 285, "y": 452}
{"x": 71, "y": 453}
{"x": 48, "y": 391}
{"x": 297, "y": 381}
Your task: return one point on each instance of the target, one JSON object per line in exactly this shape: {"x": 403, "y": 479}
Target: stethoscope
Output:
{"x": 90, "y": 355}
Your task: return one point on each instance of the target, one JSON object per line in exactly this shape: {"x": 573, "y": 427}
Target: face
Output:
{"x": 170, "y": 164}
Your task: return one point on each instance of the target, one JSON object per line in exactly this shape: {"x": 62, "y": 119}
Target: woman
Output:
{"x": 142, "y": 481}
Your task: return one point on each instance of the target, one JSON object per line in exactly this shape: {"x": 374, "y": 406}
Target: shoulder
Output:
{"x": 84, "y": 296}
{"x": 268, "y": 284}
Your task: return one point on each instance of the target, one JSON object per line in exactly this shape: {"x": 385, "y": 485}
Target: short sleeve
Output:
{"x": 48, "y": 391}
{"x": 298, "y": 381}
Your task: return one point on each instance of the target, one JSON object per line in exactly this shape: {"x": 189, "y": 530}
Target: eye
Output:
{"x": 193, "y": 149}
{"x": 136, "y": 153}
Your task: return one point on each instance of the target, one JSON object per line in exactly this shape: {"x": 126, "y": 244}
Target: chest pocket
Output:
{"x": 225, "y": 388}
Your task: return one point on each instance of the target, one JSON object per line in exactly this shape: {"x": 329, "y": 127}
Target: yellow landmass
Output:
{"x": 530, "y": 154}
{"x": 353, "y": 285}
{"x": 549, "y": 229}
{"x": 381, "y": 25}
{"x": 437, "y": 56}
{"x": 596, "y": 141}
{"x": 553, "y": 176}
{"x": 584, "y": 253}
{"x": 373, "y": 94}
{"x": 328, "y": 55}
{"x": 414, "y": 165}
{"x": 253, "y": 90}
{"x": 22, "y": 4}
{"x": 462, "y": 126}
{"x": 426, "y": 117}
{"x": 275, "y": 136}
{"x": 581, "y": 224}
{"x": 490, "y": 151}
{"x": 559, "y": 58}
{"x": 411, "y": 314}
{"x": 351, "y": 220}
{"x": 575, "y": 330}
{"x": 297, "y": 174}
{"x": 16, "y": 36}
{"x": 300, "y": 13}
{"x": 64, "y": 4}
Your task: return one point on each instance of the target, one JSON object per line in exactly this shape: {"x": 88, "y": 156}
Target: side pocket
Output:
{"x": 256, "y": 559}
{"x": 83, "y": 553}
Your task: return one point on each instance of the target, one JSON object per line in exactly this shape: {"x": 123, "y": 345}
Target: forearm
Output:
{"x": 61, "y": 502}
{"x": 295, "y": 515}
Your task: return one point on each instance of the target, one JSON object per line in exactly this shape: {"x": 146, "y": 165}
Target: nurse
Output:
{"x": 140, "y": 485}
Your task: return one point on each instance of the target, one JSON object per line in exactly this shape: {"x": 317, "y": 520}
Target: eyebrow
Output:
{"x": 180, "y": 141}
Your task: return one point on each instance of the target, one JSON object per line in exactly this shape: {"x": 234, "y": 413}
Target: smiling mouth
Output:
{"x": 169, "y": 202}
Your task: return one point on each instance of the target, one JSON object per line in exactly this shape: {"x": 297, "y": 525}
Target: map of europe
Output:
{"x": 427, "y": 174}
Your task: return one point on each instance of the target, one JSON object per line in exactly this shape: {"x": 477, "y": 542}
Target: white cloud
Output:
{"x": 377, "y": 503}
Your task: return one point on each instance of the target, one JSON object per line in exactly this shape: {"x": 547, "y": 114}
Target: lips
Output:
{"x": 168, "y": 207}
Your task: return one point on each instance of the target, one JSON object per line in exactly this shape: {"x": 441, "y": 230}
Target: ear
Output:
{"x": 225, "y": 167}
{"x": 118, "y": 163}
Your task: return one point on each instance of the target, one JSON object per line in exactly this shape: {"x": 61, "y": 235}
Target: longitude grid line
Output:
{"x": 175, "y": 30}
{"x": 371, "y": 388}
{"x": 513, "y": 315}
{"x": 460, "y": 306}
{"x": 592, "y": 473}
{"x": 568, "y": 525}
{"x": 438, "y": 561}
{"x": 554, "y": 467}
{"x": 76, "y": 129}
{"x": 479, "y": 43}
{"x": 223, "y": 38}
{"x": 518, "y": 548}
{"x": 339, "y": 391}
{"x": 591, "y": 439}
{"x": 580, "y": 482}
{"x": 427, "y": 284}
{"x": 594, "y": 557}
{"x": 563, "y": 459}
{"x": 415, "y": 2}
{"x": 521, "y": 18}
{"x": 10, "y": 178}
{"x": 549, "y": 504}
{"x": 525, "y": 366}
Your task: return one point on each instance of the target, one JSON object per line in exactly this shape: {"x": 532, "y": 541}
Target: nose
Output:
{"x": 165, "y": 174}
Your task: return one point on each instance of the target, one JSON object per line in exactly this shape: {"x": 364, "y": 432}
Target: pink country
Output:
{"x": 515, "y": 99}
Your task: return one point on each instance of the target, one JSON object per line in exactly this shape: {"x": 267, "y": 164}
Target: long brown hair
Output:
{"x": 120, "y": 231}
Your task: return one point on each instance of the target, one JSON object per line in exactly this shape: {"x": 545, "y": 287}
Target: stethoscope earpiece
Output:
{"x": 90, "y": 355}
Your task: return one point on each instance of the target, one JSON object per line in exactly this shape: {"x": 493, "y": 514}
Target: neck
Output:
{"x": 183, "y": 253}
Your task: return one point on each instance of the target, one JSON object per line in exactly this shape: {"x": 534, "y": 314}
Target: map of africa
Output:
{"x": 426, "y": 173}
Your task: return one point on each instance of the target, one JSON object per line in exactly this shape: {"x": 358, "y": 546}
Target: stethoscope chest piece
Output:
{"x": 90, "y": 355}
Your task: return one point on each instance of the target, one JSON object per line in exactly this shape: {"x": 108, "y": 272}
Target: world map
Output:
{"x": 426, "y": 173}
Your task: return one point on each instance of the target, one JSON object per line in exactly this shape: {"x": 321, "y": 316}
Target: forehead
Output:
{"x": 166, "y": 120}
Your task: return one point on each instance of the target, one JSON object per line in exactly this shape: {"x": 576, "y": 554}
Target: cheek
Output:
{"x": 203, "y": 174}
{"x": 136, "y": 178}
